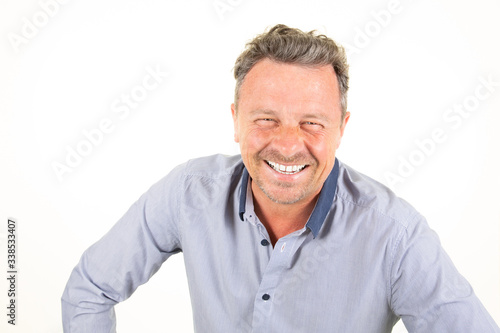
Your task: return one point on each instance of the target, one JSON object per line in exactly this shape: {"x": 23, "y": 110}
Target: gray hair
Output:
{"x": 289, "y": 45}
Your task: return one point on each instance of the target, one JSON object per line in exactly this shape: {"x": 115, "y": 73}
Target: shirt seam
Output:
{"x": 404, "y": 224}
{"x": 390, "y": 268}
{"x": 180, "y": 198}
{"x": 399, "y": 221}
{"x": 186, "y": 174}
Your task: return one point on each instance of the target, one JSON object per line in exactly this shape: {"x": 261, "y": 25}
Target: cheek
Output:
{"x": 323, "y": 148}
{"x": 256, "y": 139}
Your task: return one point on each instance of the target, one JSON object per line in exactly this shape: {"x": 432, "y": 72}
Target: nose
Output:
{"x": 288, "y": 141}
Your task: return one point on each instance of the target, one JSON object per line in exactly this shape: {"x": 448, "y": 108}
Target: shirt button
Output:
{"x": 264, "y": 242}
{"x": 265, "y": 297}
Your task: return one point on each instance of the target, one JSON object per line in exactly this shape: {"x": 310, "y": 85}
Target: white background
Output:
{"x": 406, "y": 73}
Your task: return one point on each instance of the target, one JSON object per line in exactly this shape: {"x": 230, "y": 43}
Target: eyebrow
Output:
{"x": 317, "y": 116}
{"x": 262, "y": 111}
{"x": 270, "y": 112}
{"x": 273, "y": 112}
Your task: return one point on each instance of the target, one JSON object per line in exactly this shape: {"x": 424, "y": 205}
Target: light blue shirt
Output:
{"x": 364, "y": 259}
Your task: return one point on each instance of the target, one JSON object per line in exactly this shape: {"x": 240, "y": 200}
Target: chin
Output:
{"x": 283, "y": 196}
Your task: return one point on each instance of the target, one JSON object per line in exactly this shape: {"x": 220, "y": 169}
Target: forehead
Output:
{"x": 279, "y": 86}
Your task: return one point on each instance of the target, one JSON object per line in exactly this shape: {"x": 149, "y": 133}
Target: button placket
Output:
{"x": 280, "y": 260}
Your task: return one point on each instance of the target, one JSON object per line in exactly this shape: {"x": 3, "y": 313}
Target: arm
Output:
{"x": 428, "y": 292}
{"x": 126, "y": 257}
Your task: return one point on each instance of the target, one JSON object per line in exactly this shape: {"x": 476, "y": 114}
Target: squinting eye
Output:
{"x": 265, "y": 121}
{"x": 311, "y": 126}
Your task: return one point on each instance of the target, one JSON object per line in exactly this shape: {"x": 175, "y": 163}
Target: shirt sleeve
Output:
{"x": 126, "y": 257}
{"x": 428, "y": 292}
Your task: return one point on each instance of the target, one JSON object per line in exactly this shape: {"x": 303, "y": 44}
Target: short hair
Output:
{"x": 290, "y": 45}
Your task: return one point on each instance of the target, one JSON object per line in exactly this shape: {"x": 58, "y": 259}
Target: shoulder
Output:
{"x": 214, "y": 166}
{"x": 366, "y": 194}
{"x": 209, "y": 169}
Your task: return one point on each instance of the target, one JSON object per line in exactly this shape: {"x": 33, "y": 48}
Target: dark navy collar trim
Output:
{"x": 324, "y": 201}
{"x": 322, "y": 206}
{"x": 243, "y": 194}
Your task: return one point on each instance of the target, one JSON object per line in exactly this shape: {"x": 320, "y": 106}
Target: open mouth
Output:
{"x": 286, "y": 169}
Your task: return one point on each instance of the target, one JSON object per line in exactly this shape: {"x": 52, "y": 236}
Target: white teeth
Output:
{"x": 287, "y": 170}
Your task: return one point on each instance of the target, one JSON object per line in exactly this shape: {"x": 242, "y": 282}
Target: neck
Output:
{"x": 281, "y": 219}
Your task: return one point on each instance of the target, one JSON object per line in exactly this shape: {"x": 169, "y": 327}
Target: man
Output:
{"x": 284, "y": 238}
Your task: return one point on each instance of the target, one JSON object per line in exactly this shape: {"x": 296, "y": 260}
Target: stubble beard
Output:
{"x": 300, "y": 191}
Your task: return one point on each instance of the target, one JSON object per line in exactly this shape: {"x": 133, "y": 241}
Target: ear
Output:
{"x": 342, "y": 127}
{"x": 235, "y": 123}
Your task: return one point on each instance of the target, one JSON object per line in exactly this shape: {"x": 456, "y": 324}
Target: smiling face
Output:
{"x": 288, "y": 125}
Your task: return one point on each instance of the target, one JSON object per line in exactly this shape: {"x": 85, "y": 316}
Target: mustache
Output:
{"x": 275, "y": 156}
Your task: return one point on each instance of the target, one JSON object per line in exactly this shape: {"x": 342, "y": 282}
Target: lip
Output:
{"x": 288, "y": 177}
{"x": 286, "y": 169}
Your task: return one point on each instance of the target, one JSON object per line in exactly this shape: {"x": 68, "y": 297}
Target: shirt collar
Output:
{"x": 323, "y": 204}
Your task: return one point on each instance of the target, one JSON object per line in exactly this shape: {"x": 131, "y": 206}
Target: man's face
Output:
{"x": 288, "y": 125}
